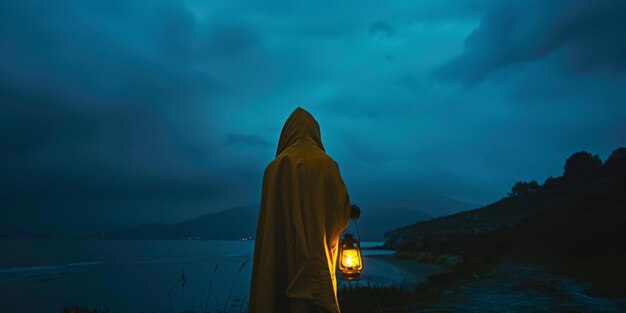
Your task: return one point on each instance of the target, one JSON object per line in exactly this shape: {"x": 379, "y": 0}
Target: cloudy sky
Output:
{"x": 118, "y": 112}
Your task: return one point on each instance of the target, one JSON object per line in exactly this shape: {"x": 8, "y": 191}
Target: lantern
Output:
{"x": 350, "y": 262}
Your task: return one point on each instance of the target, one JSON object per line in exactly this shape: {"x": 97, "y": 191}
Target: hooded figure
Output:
{"x": 304, "y": 209}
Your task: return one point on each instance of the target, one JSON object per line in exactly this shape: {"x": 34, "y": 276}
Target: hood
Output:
{"x": 300, "y": 126}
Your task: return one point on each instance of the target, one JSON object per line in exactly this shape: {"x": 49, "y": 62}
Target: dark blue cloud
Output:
{"x": 585, "y": 36}
{"x": 101, "y": 102}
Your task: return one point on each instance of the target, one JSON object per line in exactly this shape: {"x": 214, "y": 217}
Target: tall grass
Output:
{"x": 169, "y": 295}
{"x": 208, "y": 296}
{"x": 232, "y": 286}
{"x": 182, "y": 280}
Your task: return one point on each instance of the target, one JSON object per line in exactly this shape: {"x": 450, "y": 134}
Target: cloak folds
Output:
{"x": 304, "y": 209}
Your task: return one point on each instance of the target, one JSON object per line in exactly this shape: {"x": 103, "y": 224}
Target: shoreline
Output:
{"x": 385, "y": 270}
{"x": 414, "y": 271}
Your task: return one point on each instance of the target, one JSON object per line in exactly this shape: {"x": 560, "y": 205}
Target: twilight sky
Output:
{"x": 118, "y": 112}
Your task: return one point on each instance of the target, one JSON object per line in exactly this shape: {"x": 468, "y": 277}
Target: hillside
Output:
{"x": 572, "y": 225}
{"x": 582, "y": 237}
{"x": 235, "y": 223}
{"x": 584, "y": 174}
{"x": 503, "y": 213}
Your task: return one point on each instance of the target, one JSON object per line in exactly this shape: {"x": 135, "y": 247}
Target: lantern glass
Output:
{"x": 350, "y": 258}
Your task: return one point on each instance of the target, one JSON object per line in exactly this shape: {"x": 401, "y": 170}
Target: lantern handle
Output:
{"x": 355, "y": 213}
{"x": 357, "y": 230}
{"x": 358, "y": 233}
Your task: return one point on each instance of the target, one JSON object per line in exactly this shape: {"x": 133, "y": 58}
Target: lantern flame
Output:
{"x": 350, "y": 258}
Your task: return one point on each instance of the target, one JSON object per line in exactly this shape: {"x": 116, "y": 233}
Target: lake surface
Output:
{"x": 145, "y": 276}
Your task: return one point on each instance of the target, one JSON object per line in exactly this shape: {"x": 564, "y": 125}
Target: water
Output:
{"x": 144, "y": 276}
{"x": 124, "y": 276}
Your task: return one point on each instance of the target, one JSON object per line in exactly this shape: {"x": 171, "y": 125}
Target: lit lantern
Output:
{"x": 350, "y": 262}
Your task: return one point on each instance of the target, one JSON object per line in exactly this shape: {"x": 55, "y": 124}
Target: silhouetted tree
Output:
{"x": 616, "y": 163}
{"x": 524, "y": 188}
{"x": 552, "y": 184}
{"x": 582, "y": 167}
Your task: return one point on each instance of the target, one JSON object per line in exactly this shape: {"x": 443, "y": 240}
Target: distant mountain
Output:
{"x": 241, "y": 222}
{"x": 385, "y": 214}
{"x": 374, "y": 224}
{"x": 235, "y": 223}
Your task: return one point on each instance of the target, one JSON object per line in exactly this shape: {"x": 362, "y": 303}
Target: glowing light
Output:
{"x": 351, "y": 258}
{"x": 350, "y": 262}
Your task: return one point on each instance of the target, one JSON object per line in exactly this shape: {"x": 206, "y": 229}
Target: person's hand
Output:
{"x": 355, "y": 211}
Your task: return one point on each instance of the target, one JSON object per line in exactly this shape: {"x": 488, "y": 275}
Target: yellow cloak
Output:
{"x": 304, "y": 209}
